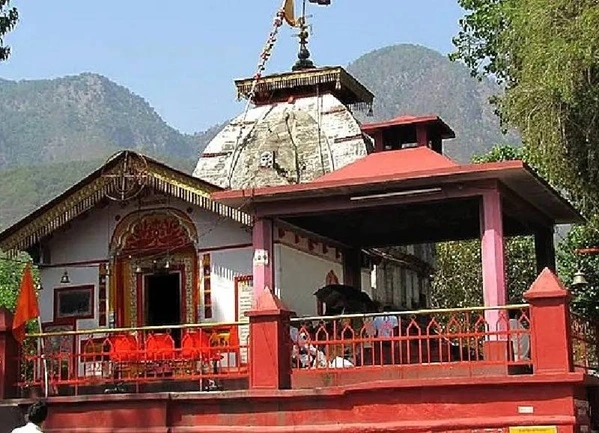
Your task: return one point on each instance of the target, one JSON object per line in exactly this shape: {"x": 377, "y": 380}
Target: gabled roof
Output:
{"x": 390, "y": 163}
{"x": 93, "y": 189}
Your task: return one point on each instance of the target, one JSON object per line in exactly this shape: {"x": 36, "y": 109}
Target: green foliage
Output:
{"x": 8, "y": 20}
{"x": 547, "y": 54}
{"x": 11, "y": 272}
{"x": 410, "y": 79}
{"x": 457, "y": 281}
{"x": 498, "y": 153}
{"x": 458, "y": 278}
{"x": 585, "y": 300}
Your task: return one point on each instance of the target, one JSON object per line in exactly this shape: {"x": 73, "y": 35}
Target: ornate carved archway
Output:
{"x": 137, "y": 240}
{"x": 141, "y": 233}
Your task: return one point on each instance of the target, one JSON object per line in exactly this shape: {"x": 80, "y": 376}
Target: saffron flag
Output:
{"x": 27, "y": 306}
{"x": 289, "y": 11}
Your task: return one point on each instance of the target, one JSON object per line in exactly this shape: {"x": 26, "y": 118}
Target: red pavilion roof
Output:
{"x": 391, "y": 163}
{"x": 419, "y": 167}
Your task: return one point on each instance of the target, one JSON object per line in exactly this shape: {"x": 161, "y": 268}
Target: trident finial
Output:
{"x": 303, "y": 56}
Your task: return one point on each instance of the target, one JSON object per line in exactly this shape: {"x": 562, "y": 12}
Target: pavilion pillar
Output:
{"x": 263, "y": 269}
{"x": 550, "y": 325}
{"x": 493, "y": 270}
{"x": 9, "y": 350}
{"x": 545, "y": 249}
{"x": 422, "y": 136}
{"x": 493, "y": 253}
{"x": 270, "y": 343}
{"x": 352, "y": 267}
{"x": 379, "y": 145}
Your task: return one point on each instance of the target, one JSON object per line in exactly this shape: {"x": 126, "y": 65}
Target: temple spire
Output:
{"x": 303, "y": 56}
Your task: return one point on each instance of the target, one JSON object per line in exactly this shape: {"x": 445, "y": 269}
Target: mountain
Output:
{"x": 411, "y": 79}
{"x": 80, "y": 118}
{"x": 54, "y": 132}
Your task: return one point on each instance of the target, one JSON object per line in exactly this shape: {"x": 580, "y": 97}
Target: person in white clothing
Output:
{"x": 36, "y": 415}
{"x": 385, "y": 325}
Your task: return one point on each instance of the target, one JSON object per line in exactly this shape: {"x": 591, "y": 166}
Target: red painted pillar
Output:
{"x": 493, "y": 269}
{"x": 9, "y": 350}
{"x": 493, "y": 261}
{"x": 550, "y": 324}
{"x": 270, "y": 343}
{"x": 378, "y": 141}
{"x": 263, "y": 272}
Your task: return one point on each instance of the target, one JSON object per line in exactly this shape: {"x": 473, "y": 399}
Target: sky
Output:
{"x": 183, "y": 55}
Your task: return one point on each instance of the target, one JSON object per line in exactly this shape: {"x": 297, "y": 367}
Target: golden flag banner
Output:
{"x": 289, "y": 10}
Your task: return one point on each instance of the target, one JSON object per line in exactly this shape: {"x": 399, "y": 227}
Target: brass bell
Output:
{"x": 65, "y": 278}
{"x": 579, "y": 279}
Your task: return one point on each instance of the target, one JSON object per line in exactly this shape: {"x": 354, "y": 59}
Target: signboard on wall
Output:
{"x": 244, "y": 295}
{"x": 534, "y": 429}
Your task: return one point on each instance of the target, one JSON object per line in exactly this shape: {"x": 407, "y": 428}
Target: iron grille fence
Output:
{"x": 468, "y": 335}
{"x": 142, "y": 359}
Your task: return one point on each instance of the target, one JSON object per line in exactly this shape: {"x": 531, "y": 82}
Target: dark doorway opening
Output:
{"x": 163, "y": 301}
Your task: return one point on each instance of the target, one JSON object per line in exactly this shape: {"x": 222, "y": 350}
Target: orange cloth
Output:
{"x": 27, "y": 306}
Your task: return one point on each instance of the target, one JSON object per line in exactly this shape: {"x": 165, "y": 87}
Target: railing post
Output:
{"x": 550, "y": 324}
{"x": 9, "y": 350}
{"x": 270, "y": 343}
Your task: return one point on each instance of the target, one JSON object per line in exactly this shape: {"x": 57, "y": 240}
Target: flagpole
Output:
{"x": 44, "y": 360}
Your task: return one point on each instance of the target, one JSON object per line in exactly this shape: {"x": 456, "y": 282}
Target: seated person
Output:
{"x": 385, "y": 325}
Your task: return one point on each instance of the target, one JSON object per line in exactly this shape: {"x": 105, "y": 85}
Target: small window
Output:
{"x": 73, "y": 303}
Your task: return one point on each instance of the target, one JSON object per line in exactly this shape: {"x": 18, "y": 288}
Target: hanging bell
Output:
{"x": 167, "y": 264}
{"x": 579, "y": 279}
{"x": 138, "y": 270}
{"x": 65, "y": 278}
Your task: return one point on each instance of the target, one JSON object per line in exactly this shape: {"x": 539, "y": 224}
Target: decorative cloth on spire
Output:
{"x": 289, "y": 12}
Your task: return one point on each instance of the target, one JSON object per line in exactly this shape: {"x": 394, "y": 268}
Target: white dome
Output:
{"x": 307, "y": 137}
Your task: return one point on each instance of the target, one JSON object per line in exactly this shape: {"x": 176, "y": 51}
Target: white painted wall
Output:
{"x": 88, "y": 239}
{"x": 298, "y": 275}
{"x": 225, "y": 266}
{"x": 50, "y": 279}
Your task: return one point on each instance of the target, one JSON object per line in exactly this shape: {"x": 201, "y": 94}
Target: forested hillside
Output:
{"x": 410, "y": 79}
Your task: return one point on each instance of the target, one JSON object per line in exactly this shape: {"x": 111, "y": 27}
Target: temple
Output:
{"x": 250, "y": 295}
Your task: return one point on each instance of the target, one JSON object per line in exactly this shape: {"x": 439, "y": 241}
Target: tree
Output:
{"x": 546, "y": 53}
{"x": 457, "y": 281}
{"x": 8, "y": 20}
{"x": 585, "y": 300}
{"x": 11, "y": 272}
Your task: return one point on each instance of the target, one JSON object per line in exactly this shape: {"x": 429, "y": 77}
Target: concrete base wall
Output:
{"x": 441, "y": 405}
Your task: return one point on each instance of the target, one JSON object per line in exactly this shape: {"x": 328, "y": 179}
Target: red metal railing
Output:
{"x": 584, "y": 343}
{"x": 148, "y": 359}
{"x": 414, "y": 337}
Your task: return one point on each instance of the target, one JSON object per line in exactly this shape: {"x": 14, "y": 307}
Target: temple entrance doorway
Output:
{"x": 163, "y": 301}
